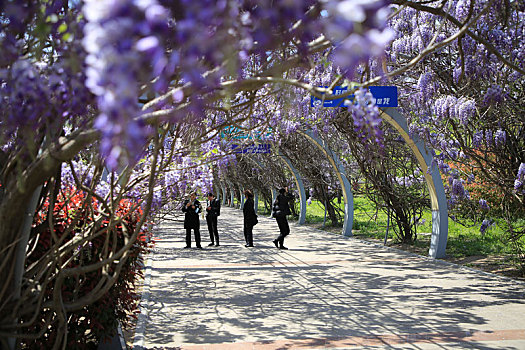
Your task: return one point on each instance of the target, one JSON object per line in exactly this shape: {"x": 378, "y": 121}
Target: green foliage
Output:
{"x": 315, "y": 213}
{"x": 463, "y": 241}
{"x": 262, "y": 210}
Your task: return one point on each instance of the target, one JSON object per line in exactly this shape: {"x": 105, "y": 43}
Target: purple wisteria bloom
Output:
{"x": 520, "y": 179}
{"x": 462, "y": 9}
{"x": 500, "y": 138}
{"x": 485, "y": 225}
{"x": 457, "y": 188}
{"x": 483, "y": 204}
{"x": 426, "y": 85}
{"x": 494, "y": 95}
{"x": 358, "y": 28}
{"x": 477, "y": 139}
{"x": 366, "y": 117}
{"x": 122, "y": 38}
{"x": 465, "y": 110}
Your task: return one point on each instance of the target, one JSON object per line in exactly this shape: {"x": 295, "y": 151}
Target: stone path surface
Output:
{"x": 326, "y": 292}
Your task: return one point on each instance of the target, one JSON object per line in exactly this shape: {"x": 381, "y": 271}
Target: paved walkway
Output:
{"x": 326, "y": 292}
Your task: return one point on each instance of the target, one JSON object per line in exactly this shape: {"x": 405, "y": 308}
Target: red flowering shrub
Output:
{"x": 481, "y": 188}
{"x": 75, "y": 223}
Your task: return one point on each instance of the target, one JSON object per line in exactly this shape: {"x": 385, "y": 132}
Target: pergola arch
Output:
{"x": 341, "y": 175}
{"x": 300, "y": 187}
{"x": 438, "y": 198}
{"x": 224, "y": 193}
{"x": 255, "y": 200}
{"x": 424, "y": 157}
{"x": 274, "y": 194}
{"x": 231, "y": 188}
{"x": 433, "y": 180}
{"x": 241, "y": 204}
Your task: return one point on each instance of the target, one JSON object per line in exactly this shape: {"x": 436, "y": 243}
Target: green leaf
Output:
{"x": 42, "y": 29}
{"x": 62, "y": 28}
{"x": 68, "y": 37}
{"x": 53, "y": 18}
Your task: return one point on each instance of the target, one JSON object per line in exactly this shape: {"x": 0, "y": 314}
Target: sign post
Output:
{"x": 384, "y": 96}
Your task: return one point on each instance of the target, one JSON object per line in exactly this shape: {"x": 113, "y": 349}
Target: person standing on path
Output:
{"x": 280, "y": 209}
{"x": 250, "y": 218}
{"x": 213, "y": 210}
{"x": 192, "y": 208}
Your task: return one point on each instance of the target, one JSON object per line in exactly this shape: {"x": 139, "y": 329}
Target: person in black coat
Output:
{"x": 192, "y": 208}
{"x": 280, "y": 209}
{"x": 213, "y": 210}
{"x": 250, "y": 218}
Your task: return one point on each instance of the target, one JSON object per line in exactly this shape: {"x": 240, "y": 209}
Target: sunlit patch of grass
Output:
{"x": 462, "y": 240}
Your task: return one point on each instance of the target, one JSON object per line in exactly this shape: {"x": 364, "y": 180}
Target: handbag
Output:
{"x": 276, "y": 210}
{"x": 256, "y": 221}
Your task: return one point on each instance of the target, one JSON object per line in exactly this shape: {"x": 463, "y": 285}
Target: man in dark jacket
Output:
{"x": 192, "y": 208}
{"x": 279, "y": 211}
{"x": 213, "y": 210}
{"x": 250, "y": 218}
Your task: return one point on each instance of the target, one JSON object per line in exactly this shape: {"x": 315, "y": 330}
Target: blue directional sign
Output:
{"x": 253, "y": 148}
{"x": 384, "y": 96}
{"x": 236, "y": 133}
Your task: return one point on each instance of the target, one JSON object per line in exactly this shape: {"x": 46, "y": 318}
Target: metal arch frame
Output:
{"x": 274, "y": 197}
{"x": 255, "y": 192}
{"x": 343, "y": 179}
{"x": 223, "y": 188}
{"x": 226, "y": 192}
{"x": 232, "y": 194}
{"x": 241, "y": 205}
{"x": 300, "y": 186}
{"x": 216, "y": 190}
{"x": 438, "y": 242}
{"x": 438, "y": 199}
{"x": 255, "y": 200}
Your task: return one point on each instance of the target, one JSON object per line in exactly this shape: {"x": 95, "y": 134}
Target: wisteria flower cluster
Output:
{"x": 366, "y": 117}
{"x": 488, "y": 138}
{"x": 485, "y": 225}
{"x": 366, "y": 21}
{"x": 408, "y": 181}
{"x": 462, "y": 109}
{"x": 25, "y": 84}
{"x": 494, "y": 95}
{"x": 427, "y": 85}
{"x": 519, "y": 183}
{"x": 483, "y": 204}
{"x": 124, "y": 44}
{"x": 132, "y": 43}
{"x": 457, "y": 191}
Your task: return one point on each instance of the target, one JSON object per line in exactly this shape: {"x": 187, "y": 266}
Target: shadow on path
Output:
{"x": 325, "y": 289}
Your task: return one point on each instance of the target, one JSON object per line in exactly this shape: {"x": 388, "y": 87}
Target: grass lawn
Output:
{"x": 465, "y": 245}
